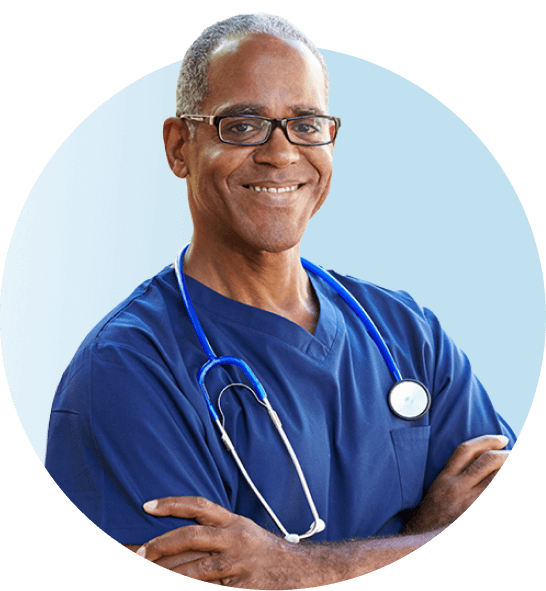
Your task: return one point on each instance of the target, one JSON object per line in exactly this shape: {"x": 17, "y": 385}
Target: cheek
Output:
{"x": 325, "y": 169}
{"x": 215, "y": 165}
{"x": 321, "y": 158}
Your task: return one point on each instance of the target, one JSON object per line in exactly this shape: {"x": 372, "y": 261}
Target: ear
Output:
{"x": 176, "y": 136}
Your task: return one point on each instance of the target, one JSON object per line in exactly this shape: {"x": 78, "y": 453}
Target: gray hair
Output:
{"x": 192, "y": 87}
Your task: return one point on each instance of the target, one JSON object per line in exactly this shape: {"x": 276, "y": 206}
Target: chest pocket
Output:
{"x": 411, "y": 450}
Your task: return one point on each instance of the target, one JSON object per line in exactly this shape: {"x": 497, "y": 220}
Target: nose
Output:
{"x": 277, "y": 151}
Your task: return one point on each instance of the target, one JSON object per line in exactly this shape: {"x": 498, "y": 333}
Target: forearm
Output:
{"x": 239, "y": 553}
{"x": 339, "y": 561}
{"x": 312, "y": 564}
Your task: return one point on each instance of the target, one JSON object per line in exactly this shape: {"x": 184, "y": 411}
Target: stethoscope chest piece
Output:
{"x": 409, "y": 400}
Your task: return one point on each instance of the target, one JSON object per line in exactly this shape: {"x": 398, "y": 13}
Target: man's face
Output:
{"x": 260, "y": 75}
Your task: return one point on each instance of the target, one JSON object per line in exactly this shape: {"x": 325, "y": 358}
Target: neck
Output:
{"x": 275, "y": 282}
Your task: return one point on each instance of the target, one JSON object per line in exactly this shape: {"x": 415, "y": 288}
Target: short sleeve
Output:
{"x": 122, "y": 433}
{"x": 461, "y": 408}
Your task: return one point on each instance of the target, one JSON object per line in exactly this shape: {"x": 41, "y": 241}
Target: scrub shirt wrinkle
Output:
{"x": 131, "y": 402}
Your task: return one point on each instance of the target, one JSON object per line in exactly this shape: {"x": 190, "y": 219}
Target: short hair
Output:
{"x": 192, "y": 86}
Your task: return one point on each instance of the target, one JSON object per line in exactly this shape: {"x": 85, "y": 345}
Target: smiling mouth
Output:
{"x": 287, "y": 189}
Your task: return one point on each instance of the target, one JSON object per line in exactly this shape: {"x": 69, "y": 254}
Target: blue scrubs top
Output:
{"x": 129, "y": 423}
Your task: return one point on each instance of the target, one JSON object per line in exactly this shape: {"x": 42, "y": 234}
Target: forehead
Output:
{"x": 261, "y": 69}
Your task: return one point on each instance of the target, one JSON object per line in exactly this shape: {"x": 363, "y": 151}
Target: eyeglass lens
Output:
{"x": 254, "y": 130}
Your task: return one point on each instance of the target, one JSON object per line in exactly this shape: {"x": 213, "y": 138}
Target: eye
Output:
{"x": 313, "y": 130}
{"x": 306, "y": 126}
{"x": 242, "y": 129}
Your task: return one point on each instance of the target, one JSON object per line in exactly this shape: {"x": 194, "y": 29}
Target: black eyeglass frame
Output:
{"x": 282, "y": 123}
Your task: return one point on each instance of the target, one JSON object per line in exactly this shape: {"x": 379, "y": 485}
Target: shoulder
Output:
{"x": 412, "y": 332}
{"x": 138, "y": 319}
{"x": 380, "y": 302}
{"x": 139, "y": 328}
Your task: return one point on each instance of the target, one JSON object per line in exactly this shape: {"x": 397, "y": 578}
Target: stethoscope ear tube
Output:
{"x": 318, "y": 524}
{"x": 226, "y": 360}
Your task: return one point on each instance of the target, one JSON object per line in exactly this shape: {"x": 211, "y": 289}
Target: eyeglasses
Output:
{"x": 252, "y": 130}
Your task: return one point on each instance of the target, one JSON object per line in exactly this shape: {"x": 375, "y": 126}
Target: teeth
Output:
{"x": 273, "y": 189}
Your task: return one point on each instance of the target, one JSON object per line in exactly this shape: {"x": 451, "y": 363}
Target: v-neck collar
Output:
{"x": 317, "y": 345}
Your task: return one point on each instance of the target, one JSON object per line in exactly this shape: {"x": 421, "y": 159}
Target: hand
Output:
{"x": 233, "y": 550}
{"x": 465, "y": 476}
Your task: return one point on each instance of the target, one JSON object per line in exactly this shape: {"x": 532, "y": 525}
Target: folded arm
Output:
{"x": 232, "y": 550}
{"x": 238, "y": 553}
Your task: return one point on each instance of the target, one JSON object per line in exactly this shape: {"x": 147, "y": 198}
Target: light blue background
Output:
{"x": 417, "y": 203}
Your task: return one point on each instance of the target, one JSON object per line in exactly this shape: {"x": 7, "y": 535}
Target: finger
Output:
{"x": 184, "y": 539}
{"x": 469, "y": 450}
{"x": 170, "y": 562}
{"x": 481, "y": 486}
{"x": 199, "y": 509}
{"x": 488, "y": 462}
{"x": 211, "y": 568}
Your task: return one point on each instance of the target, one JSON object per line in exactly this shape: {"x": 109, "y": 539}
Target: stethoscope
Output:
{"x": 407, "y": 399}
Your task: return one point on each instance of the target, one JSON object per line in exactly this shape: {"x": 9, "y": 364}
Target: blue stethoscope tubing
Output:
{"x": 213, "y": 359}
{"x": 398, "y": 396}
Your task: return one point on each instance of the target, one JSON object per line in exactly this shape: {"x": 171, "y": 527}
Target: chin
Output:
{"x": 271, "y": 242}
{"x": 277, "y": 242}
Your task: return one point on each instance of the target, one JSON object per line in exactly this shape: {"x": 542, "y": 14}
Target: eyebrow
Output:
{"x": 242, "y": 109}
{"x": 257, "y": 109}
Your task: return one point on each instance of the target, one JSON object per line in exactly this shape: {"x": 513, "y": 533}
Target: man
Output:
{"x": 131, "y": 441}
